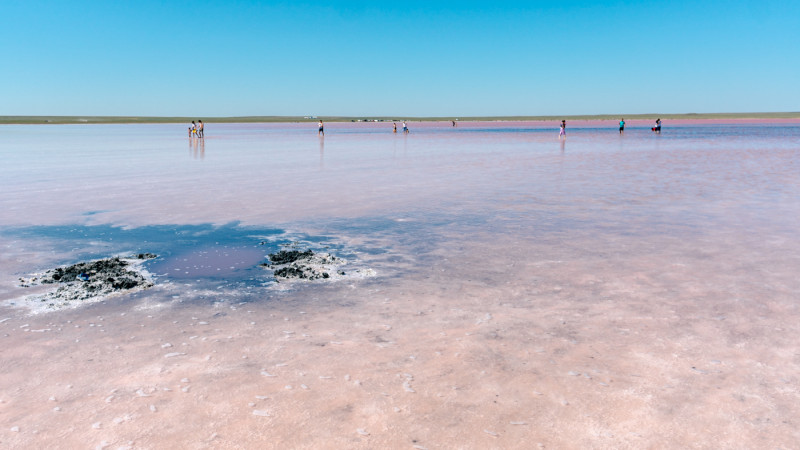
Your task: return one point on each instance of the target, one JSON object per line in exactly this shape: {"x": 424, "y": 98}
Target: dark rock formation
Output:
{"x": 91, "y": 279}
{"x": 289, "y": 256}
{"x": 304, "y": 265}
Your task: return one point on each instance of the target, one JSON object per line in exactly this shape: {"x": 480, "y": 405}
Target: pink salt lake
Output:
{"x": 603, "y": 292}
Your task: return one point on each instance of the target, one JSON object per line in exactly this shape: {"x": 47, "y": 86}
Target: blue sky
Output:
{"x": 235, "y": 58}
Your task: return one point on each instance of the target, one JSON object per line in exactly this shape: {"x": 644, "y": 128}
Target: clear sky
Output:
{"x": 430, "y": 58}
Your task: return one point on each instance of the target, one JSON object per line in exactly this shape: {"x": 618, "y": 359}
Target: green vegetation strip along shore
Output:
{"x": 266, "y": 119}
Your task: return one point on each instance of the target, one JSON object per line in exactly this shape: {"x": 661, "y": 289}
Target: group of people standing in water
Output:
{"x": 321, "y": 129}
{"x": 563, "y": 128}
{"x": 196, "y": 129}
{"x": 655, "y": 129}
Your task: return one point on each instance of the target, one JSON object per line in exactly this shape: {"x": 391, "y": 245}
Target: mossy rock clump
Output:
{"x": 290, "y": 256}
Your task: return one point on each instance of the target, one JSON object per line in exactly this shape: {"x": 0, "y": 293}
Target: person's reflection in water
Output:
{"x": 198, "y": 147}
{"x": 563, "y": 144}
{"x": 321, "y": 152}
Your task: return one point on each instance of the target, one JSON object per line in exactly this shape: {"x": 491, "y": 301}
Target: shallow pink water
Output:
{"x": 606, "y": 291}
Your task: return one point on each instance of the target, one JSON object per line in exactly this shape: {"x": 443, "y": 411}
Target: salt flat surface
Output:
{"x": 603, "y": 292}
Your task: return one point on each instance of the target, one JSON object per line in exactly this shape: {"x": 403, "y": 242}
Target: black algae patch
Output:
{"x": 87, "y": 280}
{"x": 303, "y": 265}
{"x": 112, "y": 271}
{"x": 290, "y": 256}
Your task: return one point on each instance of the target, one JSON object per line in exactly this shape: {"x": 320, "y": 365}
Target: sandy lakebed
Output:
{"x": 500, "y": 288}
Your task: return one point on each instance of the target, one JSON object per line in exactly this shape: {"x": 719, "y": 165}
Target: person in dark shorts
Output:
{"x": 200, "y": 128}
{"x": 621, "y": 125}
{"x": 321, "y": 129}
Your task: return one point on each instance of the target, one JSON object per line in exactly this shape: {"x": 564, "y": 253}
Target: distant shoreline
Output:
{"x": 18, "y": 120}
